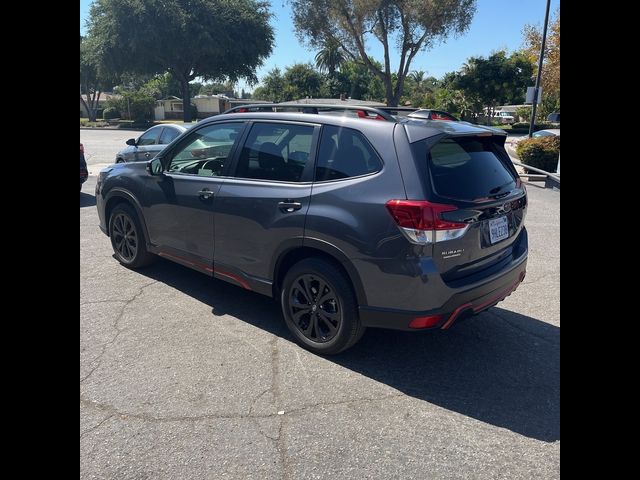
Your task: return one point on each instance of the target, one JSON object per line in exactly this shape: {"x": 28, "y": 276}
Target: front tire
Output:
{"x": 127, "y": 238}
{"x": 320, "y": 308}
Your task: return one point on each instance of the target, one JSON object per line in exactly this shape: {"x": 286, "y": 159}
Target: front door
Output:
{"x": 146, "y": 144}
{"x": 180, "y": 203}
{"x": 261, "y": 208}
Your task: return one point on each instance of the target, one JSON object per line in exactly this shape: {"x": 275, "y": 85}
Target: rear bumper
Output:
{"x": 460, "y": 305}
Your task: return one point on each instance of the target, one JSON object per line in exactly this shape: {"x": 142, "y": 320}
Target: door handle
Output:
{"x": 289, "y": 206}
{"x": 147, "y": 154}
{"x": 205, "y": 193}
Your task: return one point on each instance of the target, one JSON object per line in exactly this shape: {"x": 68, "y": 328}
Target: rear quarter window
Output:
{"x": 345, "y": 153}
{"x": 468, "y": 169}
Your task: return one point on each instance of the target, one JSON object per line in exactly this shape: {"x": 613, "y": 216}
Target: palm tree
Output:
{"x": 331, "y": 57}
{"x": 418, "y": 76}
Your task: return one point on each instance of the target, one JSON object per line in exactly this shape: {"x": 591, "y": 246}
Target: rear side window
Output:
{"x": 275, "y": 151}
{"x": 468, "y": 169}
{"x": 168, "y": 134}
{"x": 345, "y": 153}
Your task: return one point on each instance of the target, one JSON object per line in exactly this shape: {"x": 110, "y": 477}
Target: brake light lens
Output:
{"x": 426, "y": 322}
{"x": 422, "y": 223}
{"x": 363, "y": 114}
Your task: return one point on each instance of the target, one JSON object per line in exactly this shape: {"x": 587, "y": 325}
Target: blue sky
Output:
{"x": 496, "y": 25}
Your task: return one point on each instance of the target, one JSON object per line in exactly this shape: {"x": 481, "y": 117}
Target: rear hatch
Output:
{"x": 479, "y": 196}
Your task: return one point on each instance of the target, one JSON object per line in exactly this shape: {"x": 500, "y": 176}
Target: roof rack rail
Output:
{"x": 399, "y": 109}
{"x": 362, "y": 110}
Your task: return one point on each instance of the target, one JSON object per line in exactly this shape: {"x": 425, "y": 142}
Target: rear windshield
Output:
{"x": 468, "y": 169}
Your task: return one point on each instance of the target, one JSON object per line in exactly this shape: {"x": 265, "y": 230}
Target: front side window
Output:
{"x": 205, "y": 151}
{"x": 149, "y": 137}
{"x": 345, "y": 153}
{"x": 275, "y": 151}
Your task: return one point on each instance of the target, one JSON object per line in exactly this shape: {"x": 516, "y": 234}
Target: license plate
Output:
{"x": 498, "y": 229}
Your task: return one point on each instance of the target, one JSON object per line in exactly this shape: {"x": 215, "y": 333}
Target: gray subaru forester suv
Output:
{"x": 352, "y": 221}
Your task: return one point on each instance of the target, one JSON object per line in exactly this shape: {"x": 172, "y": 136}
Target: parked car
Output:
{"x": 428, "y": 114}
{"x": 84, "y": 173}
{"x": 506, "y": 117}
{"x": 150, "y": 143}
{"x": 550, "y": 132}
{"x": 553, "y": 117}
{"x": 404, "y": 223}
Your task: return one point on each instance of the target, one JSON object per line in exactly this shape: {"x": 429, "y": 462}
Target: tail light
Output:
{"x": 364, "y": 114}
{"x": 81, "y": 148}
{"x": 422, "y": 223}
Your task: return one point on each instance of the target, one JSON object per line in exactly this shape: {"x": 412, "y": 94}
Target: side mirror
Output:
{"x": 154, "y": 167}
{"x": 132, "y": 142}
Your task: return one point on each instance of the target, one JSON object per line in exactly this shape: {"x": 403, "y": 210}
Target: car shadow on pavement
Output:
{"x": 499, "y": 367}
{"x": 87, "y": 200}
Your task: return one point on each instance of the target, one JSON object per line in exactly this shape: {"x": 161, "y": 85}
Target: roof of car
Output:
{"x": 555, "y": 131}
{"x": 417, "y": 129}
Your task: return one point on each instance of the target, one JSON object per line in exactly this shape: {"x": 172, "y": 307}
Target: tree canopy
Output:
{"x": 550, "y": 81}
{"x": 496, "y": 80}
{"x": 94, "y": 78}
{"x": 188, "y": 38}
{"x": 410, "y": 26}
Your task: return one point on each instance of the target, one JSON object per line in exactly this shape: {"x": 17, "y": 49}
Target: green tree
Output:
{"x": 216, "y": 88}
{"x": 495, "y": 80}
{"x": 355, "y": 80}
{"x": 532, "y": 34}
{"x": 272, "y": 88}
{"x": 94, "y": 77}
{"x": 301, "y": 81}
{"x": 550, "y": 81}
{"x": 413, "y": 25}
{"x": 188, "y": 38}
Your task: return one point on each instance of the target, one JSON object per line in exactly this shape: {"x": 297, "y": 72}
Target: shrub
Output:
{"x": 110, "y": 112}
{"x": 536, "y": 127}
{"x": 523, "y": 112}
{"x": 540, "y": 152}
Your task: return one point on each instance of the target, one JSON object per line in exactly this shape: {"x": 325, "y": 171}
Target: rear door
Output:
{"x": 475, "y": 176}
{"x": 260, "y": 210}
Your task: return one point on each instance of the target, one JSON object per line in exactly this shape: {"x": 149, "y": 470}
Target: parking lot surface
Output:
{"x": 183, "y": 376}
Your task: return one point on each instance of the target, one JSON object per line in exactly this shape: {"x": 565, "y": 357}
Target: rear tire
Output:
{"x": 320, "y": 308}
{"x": 127, "y": 238}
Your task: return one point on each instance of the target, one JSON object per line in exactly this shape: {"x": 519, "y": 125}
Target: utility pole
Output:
{"x": 537, "y": 88}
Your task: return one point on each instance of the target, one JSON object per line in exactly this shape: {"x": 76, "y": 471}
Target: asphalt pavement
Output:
{"x": 183, "y": 376}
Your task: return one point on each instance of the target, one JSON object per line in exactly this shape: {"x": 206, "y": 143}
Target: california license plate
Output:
{"x": 498, "y": 229}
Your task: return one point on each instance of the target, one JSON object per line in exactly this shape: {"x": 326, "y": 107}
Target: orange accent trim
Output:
{"x": 244, "y": 284}
{"x": 501, "y": 296}
{"x": 454, "y": 315}
{"x": 235, "y": 278}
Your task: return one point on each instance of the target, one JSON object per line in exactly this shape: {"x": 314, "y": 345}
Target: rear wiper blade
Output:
{"x": 500, "y": 195}
{"x": 494, "y": 191}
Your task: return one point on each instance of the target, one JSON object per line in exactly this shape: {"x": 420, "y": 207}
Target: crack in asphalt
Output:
{"x": 116, "y": 326}
{"x": 178, "y": 418}
{"x": 95, "y": 427}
